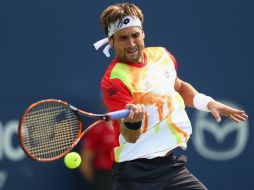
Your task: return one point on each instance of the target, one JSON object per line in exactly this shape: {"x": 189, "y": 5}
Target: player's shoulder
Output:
{"x": 153, "y": 49}
{"x": 111, "y": 78}
{"x": 109, "y": 69}
{"x": 155, "y": 52}
{"x": 116, "y": 70}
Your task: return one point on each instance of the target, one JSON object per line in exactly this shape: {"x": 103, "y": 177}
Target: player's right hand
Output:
{"x": 137, "y": 113}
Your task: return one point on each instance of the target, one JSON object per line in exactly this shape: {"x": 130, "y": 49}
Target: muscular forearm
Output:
{"x": 187, "y": 92}
{"x": 130, "y": 135}
{"x": 130, "y": 127}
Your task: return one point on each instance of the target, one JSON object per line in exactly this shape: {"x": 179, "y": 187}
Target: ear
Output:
{"x": 143, "y": 34}
{"x": 111, "y": 41}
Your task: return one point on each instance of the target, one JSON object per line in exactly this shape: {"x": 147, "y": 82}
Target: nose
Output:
{"x": 130, "y": 42}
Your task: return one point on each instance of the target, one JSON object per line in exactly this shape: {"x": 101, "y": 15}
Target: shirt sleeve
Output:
{"x": 116, "y": 94}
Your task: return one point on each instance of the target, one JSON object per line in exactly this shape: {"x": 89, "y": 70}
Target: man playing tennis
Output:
{"x": 145, "y": 81}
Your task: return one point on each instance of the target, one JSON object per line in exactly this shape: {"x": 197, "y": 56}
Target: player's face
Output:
{"x": 129, "y": 44}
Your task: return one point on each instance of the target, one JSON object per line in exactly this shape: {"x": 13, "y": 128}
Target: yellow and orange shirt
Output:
{"x": 166, "y": 124}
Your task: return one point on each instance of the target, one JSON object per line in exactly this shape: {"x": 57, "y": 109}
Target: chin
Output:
{"x": 133, "y": 59}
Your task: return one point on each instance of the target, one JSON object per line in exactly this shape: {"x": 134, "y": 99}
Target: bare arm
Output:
{"x": 86, "y": 168}
{"x": 186, "y": 90}
{"x": 137, "y": 113}
{"x": 217, "y": 109}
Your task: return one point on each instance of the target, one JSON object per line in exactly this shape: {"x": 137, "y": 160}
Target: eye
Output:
{"x": 122, "y": 38}
{"x": 136, "y": 35}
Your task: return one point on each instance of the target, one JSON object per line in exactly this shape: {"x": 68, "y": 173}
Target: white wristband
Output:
{"x": 200, "y": 102}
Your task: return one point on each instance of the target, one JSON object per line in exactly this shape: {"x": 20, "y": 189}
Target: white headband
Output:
{"x": 127, "y": 21}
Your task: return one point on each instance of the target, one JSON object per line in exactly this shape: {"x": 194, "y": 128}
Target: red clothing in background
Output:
{"x": 100, "y": 139}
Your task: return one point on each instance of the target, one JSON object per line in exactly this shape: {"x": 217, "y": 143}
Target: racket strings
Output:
{"x": 51, "y": 137}
{"x": 50, "y": 146}
{"x": 49, "y": 130}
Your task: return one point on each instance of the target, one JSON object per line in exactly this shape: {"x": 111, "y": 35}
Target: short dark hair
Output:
{"x": 119, "y": 11}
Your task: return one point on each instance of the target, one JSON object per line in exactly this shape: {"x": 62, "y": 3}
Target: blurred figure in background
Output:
{"x": 96, "y": 156}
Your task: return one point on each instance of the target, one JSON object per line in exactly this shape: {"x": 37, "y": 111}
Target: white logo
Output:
{"x": 204, "y": 122}
{"x": 7, "y": 148}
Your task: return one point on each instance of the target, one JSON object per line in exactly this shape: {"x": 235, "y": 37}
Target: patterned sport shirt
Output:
{"x": 166, "y": 124}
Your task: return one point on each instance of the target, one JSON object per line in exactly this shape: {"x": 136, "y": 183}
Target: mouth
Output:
{"x": 131, "y": 51}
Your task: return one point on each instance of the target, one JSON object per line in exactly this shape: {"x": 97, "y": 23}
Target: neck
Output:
{"x": 141, "y": 59}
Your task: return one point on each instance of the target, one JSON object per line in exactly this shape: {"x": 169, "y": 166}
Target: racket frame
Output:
{"x": 78, "y": 137}
{"x": 78, "y": 112}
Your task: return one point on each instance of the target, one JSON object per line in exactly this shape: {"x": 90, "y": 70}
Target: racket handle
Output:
{"x": 118, "y": 114}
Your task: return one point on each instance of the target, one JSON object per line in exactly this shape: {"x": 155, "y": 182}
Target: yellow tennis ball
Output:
{"x": 72, "y": 160}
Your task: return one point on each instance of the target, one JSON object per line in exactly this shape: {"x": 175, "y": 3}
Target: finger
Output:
{"x": 233, "y": 118}
{"x": 136, "y": 113}
{"x": 216, "y": 115}
{"x": 130, "y": 106}
{"x": 227, "y": 110}
{"x": 239, "y": 117}
{"x": 130, "y": 116}
{"x": 244, "y": 115}
{"x": 140, "y": 112}
{"x": 240, "y": 112}
{"x": 143, "y": 111}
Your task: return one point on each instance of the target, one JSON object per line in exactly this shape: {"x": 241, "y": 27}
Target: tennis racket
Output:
{"x": 49, "y": 129}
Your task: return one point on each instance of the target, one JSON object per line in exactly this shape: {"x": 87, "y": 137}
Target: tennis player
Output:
{"x": 145, "y": 81}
